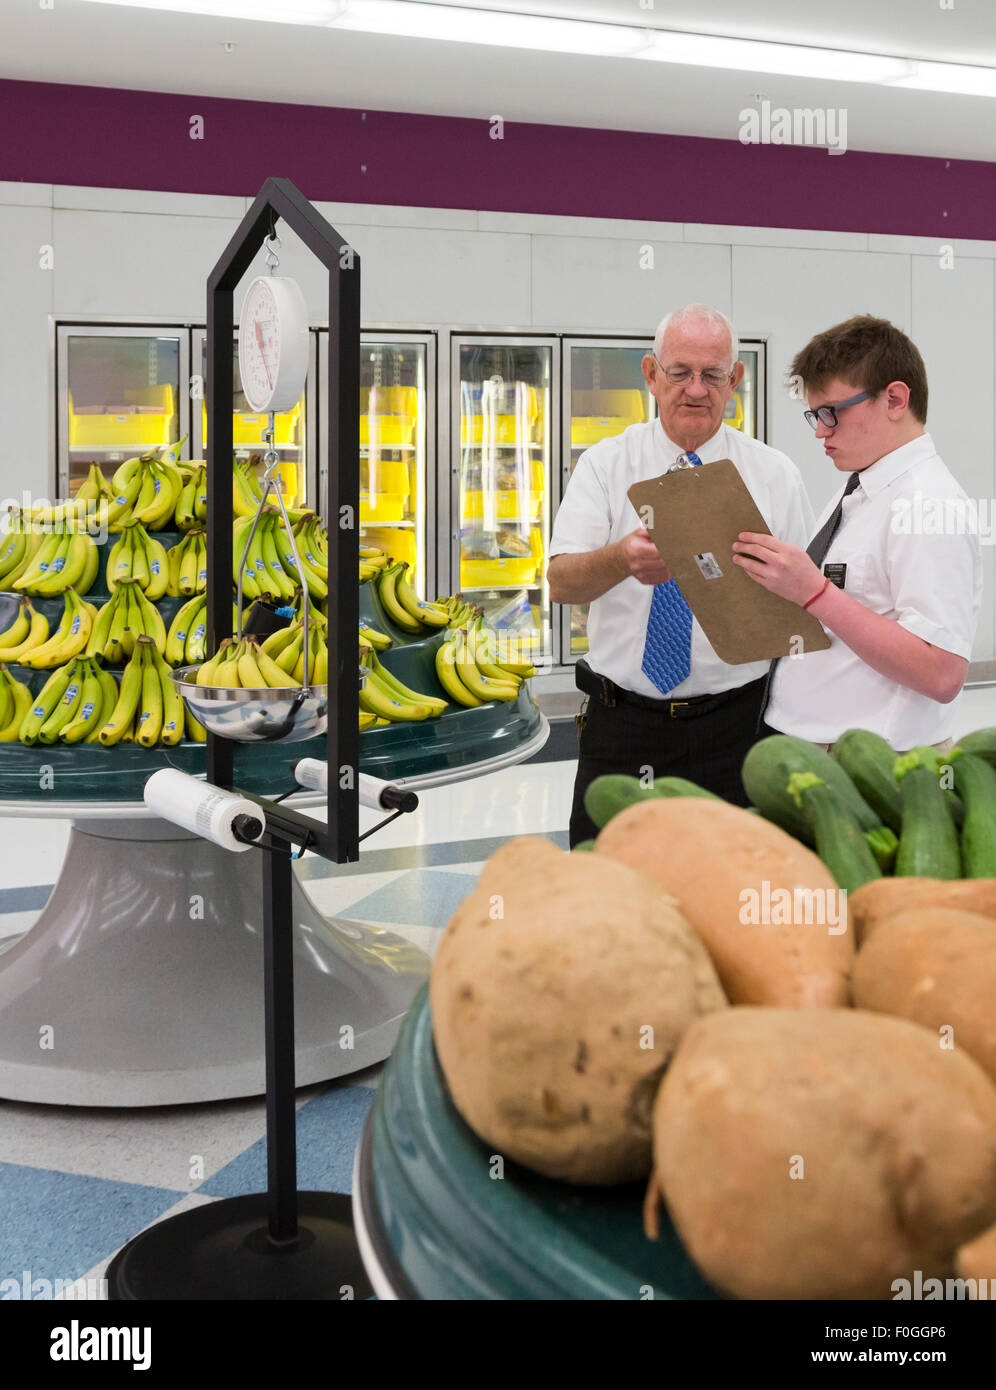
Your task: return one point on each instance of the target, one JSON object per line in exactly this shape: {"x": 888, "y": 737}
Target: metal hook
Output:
{"x": 272, "y": 244}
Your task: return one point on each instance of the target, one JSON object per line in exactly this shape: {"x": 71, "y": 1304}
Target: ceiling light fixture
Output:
{"x": 543, "y": 33}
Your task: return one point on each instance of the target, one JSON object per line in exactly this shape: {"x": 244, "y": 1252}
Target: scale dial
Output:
{"x": 273, "y": 343}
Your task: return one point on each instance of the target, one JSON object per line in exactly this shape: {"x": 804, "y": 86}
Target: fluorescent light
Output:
{"x": 792, "y": 60}
{"x": 542, "y": 33}
{"x": 504, "y": 30}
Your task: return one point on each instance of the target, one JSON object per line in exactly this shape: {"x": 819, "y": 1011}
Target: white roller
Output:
{"x": 372, "y": 791}
{"x": 203, "y": 808}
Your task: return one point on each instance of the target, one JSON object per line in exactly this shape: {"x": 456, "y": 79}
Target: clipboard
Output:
{"x": 694, "y": 515}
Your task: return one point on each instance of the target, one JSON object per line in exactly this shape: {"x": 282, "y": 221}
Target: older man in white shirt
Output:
{"x": 659, "y": 697}
{"x": 899, "y": 587}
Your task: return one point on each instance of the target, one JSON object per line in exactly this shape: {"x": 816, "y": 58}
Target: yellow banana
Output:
{"x": 22, "y": 704}
{"x": 201, "y": 563}
{"x": 32, "y": 544}
{"x": 179, "y": 630}
{"x": 87, "y": 717}
{"x": 429, "y": 613}
{"x": 173, "y": 557}
{"x": 386, "y": 590}
{"x": 152, "y": 620}
{"x": 129, "y": 695}
{"x": 14, "y": 636}
{"x": 226, "y": 673}
{"x": 109, "y": 698}
{"x": 188, "y": 565}
{"x": 277, "y": 641}
{"x": 449, "y": 678}
{"x": 193, "y": 650}
{"x": 139, "y": 555}
{"x": 271, "y": 673}
{"x": 376, "y": 699}
{"x": 44, "y": 703}
{"x": 250, "y": 676}
{"x": 367, "y": 720}
{"x": 41, "y": 563}
{"x": 195, "y": 731}
{"x": 172, "y": 718}
{"x": 205, "y": 674}
{"x": 65, "y": 710}
{"x": 158, "y": 566}
{"x": 374, "y": 638}
{"x": 12, "y": 552}
{"x": 114, "y": 648}
{"x": 89, "y": 576}
{"x": 149, "y": 722}
{"x": 184, "y": 514}
{"x": 400, "y": 690}
{"x": 133, "y": 626}
{"x": 478, "y": 684}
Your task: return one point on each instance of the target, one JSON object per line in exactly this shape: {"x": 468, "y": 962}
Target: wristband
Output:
{"x": 807, "y": 606}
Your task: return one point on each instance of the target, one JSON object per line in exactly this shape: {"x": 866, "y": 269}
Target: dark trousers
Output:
{"x": 708, "y": 749}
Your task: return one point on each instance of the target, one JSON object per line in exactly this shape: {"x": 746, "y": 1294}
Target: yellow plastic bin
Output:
{"x": 398, "y": 542}
{"x": 505, "y": 570}
{"x": 388, "y": 415}
{"x": 603, "y": 414}
{"x": 141, "y": 418}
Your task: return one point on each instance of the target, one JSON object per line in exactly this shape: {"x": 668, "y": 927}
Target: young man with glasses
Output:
{"x": 660, "y": 701}
{"x": 899, "y": 601}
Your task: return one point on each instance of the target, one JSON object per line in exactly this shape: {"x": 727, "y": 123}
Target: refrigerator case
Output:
{"x": 292, "y": 429}
{"x": 120, "y": 392}
{"x": 605, "y": 393}
{"x": 397, "y": 423}
{"x": 504, "y": 430}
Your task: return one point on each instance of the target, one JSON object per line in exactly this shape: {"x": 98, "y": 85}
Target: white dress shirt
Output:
{"x": 596, "y": 511}
{"x": 912, "y": 554}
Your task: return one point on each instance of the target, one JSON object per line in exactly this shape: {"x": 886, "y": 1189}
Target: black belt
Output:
{"x": 690, "y": 708}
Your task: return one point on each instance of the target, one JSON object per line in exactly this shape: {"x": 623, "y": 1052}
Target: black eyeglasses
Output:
{"x": 827, "y": 414}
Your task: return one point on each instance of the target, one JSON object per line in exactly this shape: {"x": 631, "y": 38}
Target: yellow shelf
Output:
{"x": 143, "y": 418}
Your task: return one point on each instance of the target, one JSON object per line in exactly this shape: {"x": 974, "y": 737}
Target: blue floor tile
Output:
{"x": 328, "y": 1131}
{"x": 65, "y": 1224}
{"x": 419, "y": 898}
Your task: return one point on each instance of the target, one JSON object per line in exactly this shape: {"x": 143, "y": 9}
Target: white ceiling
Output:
{"x": 112, "y": 46}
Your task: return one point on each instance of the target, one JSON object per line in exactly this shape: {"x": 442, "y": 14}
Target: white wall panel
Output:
{"x": 29, "y": 298}
{"x": 953, "y": 328}
{"x": 594, "y": 283}
{"x": 788, "y": 296}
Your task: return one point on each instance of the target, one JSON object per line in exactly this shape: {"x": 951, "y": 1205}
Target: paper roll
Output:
{"x": 201, "y": 807}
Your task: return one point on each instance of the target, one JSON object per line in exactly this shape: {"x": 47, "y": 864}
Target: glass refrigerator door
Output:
{"x": 504, "y": 427}
{"x": 397, "y": 421}
{"x": 290, "y": 429}
{"x": 121, "y": 392}
{"x": 745, "y": 409}
{"x": 604, "y": 394}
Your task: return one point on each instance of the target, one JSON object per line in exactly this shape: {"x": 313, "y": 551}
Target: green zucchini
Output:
{"x": 928, "y": 845}
{"x": 766, "y": 772}
{"x": 868, "y": 760}
{"x": 976, "y": 782}
{"x": 583, "y": 847}
{"x": 606, "y": 796}
{"x": 840, "y": 842}
{"x": 982, "y": 743}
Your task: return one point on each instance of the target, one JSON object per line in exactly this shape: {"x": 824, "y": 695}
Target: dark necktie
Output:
{"x": 816, "y": 550}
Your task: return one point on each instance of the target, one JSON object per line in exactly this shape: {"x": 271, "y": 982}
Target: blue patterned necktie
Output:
{"x": 667, "y": 654}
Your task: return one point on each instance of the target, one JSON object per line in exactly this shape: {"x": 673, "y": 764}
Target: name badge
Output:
{"x": 836, "y": 574}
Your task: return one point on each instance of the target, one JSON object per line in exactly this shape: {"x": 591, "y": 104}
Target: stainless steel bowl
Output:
{"x": 255, "y": 716}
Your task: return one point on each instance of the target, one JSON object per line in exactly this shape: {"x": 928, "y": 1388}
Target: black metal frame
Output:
{"x": 338, "y": 839}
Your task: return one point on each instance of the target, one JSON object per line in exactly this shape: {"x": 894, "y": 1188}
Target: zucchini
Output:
{"x": 840, "y": 842}
{"x": 583, "y": 847}
{"x": 606, "y": 796}
{"x": 928, "y": 845}
{"x": 868, "y": 760}
{"x": 766, "y": 772}
{"x": 976, "y": 782}
{"x": 982, "y": 743}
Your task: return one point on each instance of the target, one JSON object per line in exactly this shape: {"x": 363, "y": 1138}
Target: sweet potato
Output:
{"x": 871, "y": 904}
{"x": 977, "y": 1260}
{"x": 768, "y": 910}
{"x": 937, "y": 967}
{"x": 822, "y": 1153}
{"x": 559, "y": 991}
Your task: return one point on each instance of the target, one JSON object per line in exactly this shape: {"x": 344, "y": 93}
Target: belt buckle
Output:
{"x": 674, "y": 703}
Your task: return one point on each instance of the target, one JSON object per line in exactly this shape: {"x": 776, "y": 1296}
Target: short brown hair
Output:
{"x": 867, "y": 352}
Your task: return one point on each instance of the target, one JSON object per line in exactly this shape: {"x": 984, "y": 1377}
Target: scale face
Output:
{"x": 273, "y": 343}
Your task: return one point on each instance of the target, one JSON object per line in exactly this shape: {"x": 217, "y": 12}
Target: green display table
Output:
{"x": 433, "y": 1220}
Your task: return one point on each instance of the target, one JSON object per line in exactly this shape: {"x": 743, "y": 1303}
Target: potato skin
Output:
{"x": 937, "y": 967}
{"x": 897, "y": 1139}
{"x": 537, "y": 1013}
{"x": 875, "y": 902}
{"x": 977, "y": 1260}
{"x": 708, "y": 855}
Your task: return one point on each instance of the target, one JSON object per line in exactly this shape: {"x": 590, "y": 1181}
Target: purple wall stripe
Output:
{"x": 96, "y": 136}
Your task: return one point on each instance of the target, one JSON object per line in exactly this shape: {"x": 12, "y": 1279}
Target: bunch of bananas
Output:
{"x": 70, "y": 638}
{"x": 71, "y": 705}
{"x": 145, "y": 489}
{"x": 286, "y": 648}
{"x": 461, "y": 612}
{"x": 92, "y": 498}
{"x": 403, "y": 606}
{"x": 65, "y": 559}
{"x": 186, "y": 565}
{"x": 15, "y": 701}
{"x": 246, "y": 491}
{"x": 18, "y": 551}
{"x": 262, "y": 571}
{"x": 312, "y": 545}
{"x": 123, "y": 621}
{"x": 386, "y": 700}
{"x": 245, "y": 665}
{"x": 148, "y": 709}
{"x": 137, "y": 556}
{"x": 372, "y": 561}
{"x": 373, "y": 637}
{"x": 185, "y": 639}
{"x": 28, "y": 631}
{"x": 469, "y": 674}
{"x": 191, "y": 506}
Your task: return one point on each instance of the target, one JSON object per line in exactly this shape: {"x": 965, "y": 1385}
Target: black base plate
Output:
{"x": 222, "y": 1251}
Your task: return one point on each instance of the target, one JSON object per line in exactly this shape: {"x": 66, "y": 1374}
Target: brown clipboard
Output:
{"x": 694, "y": 515}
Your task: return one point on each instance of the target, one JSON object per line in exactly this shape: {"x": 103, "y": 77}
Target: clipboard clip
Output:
{"x": 682, "y": 461}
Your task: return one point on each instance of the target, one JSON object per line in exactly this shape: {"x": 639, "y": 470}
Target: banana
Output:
{"x": 274, "y": 575}
{"x": 179, "y": 630}
{"x": 139, "y": 555}
{"x": 205, "y": 675}
{"x": 77, "y": 563}
{"x": 184, "y": 515}
{"x": 146, "y": 493}
{"x": 392, "y": 606}
{"x": 87, "y": 717}
{"x": 121, "y": 560}
{"x": 480, "y": 647}
{"x": 317, "y": 585}
{"x": 201, "y": 564}
{"x": 244, "y": 500}
{"x": 12, "y": 552}
{"x": 133, "y": 627}
{"x": 449, "y": 679}
{"x": 6, "y": 698}
{"x": 226, "y": 673}
{"x": 291, "y": 654}
{"x": 21, "y": 695}
{"x": 271, "y": 673}
{"x": 16, "y": 634}
{"x": 47, "y": 654}
{"x": 32, "y": 544}
{"x": 65, "y": 710}
{"x": 429, "y": 613}
{"x": 114, "y": 648}
{"x": 90, "y": 572}
{"x": 158, "y": 569}
{"x": 375, "y": 698}
{"x": 250, "y": 676}
{"x": 129, "y": 695}
{"x": 320, "y": 674}
{"x": 123, "y": 496}
{"x": 109, "y": 698}
{"x": 246, "y": 559}
{"x": 195, "y": 731}
{"x": 402, "y": 691}
{"x": 367, "y": 720}
{"x": 172, "y": 702}
{"x": 167, "y": 484}
{"x": 152, "y": 620}
{"x": 173, "y": 557}
{"x": 374, "y": 638}
{"x": 273, "y": 645}
{"x": 149, "y": 722}
{"x": 44, "y": 703}
{"x": 194, "y": 647}
{"x": 200, "y": 495}
{"x": 188, "y": 565}
{"x": 41, "y": 563}
{"x": 476, "y": 683}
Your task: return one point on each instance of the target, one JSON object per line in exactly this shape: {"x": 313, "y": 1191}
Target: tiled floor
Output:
{"x": 77, "y": 1184}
